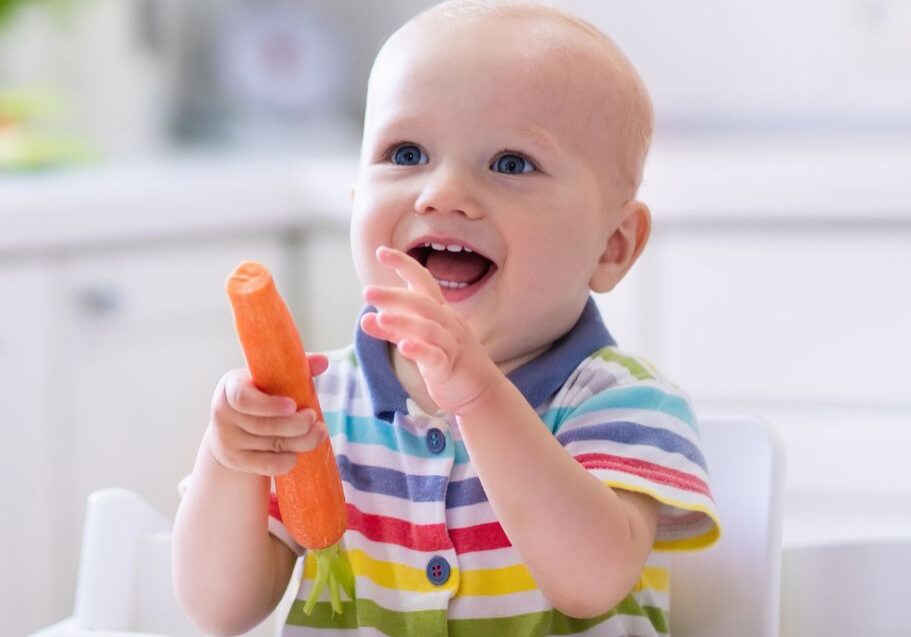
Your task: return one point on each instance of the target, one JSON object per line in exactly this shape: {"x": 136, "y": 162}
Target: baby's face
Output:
{"x": 481, "y": 159}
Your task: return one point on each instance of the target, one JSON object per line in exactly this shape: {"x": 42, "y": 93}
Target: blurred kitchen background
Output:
{"x": 146, "y": 146}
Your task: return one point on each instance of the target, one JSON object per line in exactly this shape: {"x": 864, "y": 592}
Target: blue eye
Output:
{"x": 408, "y": 155}
{"x": 512, "y": 164}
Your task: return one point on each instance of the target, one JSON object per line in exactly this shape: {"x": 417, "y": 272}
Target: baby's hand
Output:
{"x": 454, "y": 365}
{"x": 253, "y": 432}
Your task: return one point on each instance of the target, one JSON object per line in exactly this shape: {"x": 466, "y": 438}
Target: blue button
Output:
{"x": 436, "y": 440}
{"x": 438, "y": 570}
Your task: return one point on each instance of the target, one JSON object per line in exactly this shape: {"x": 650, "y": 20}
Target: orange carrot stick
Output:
{"x": 310, "y": 496}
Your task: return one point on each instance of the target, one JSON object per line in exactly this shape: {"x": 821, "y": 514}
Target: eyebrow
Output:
{"x": 537, "y": 135}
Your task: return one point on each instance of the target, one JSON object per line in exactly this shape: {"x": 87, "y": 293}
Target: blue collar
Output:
{"x": 537, "y": 379}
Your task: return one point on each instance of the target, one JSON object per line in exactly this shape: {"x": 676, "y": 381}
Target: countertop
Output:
{"x": 687, "y": 183}
{"x": 172, "y": 195}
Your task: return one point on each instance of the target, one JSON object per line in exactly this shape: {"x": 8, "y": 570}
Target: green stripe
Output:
{"x": 634, "y": 367}
{"x": 551, "y": 622}
{"x": 658, "y": 618}
{"x": 364, "y": 612}
{"x": 426, "y": 623}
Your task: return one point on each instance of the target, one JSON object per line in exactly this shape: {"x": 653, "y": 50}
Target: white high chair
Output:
{"x": 734, "y": 587}
{"x": 124, "y": 587}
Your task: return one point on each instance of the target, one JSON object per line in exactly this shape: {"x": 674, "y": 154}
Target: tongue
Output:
{"x": 461, "y": 267}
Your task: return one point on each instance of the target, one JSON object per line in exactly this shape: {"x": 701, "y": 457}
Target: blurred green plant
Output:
{"x": 8, "y": 8}
{"x": 27, "y": 142}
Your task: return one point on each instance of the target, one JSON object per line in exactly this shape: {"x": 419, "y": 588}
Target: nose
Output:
{"x": 449, "y": 190}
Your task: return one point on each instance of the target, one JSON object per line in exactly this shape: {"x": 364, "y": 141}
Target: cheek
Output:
{"x": 373, "y": 222}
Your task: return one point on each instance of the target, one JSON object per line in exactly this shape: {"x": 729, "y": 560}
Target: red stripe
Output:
{"x": 482, "y": 537}
{"x": 419, "y": 537}
{"x": 273, "y": 507}
{"x": 648, "y": 470}
{"x": 380, "y": 528}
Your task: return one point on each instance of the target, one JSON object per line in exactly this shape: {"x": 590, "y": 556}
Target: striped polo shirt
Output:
{"x": 428, "y": 554}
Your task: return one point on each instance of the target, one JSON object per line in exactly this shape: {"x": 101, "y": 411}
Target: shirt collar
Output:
{"x": 537, "y": 379}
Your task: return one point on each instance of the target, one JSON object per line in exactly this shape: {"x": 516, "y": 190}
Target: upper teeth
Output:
{"x": 451, "y": 247}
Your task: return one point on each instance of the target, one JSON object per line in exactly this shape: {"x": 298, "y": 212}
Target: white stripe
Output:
{"x": 377, "y": 455}
{"x": 654, "y": 597}
{"x": 622, "y": 626}
{"x": 463, "y": 471}
{"x": 464, "y": 607}
{"x": 470, "y": 515}
{"x": 278, "y": 529}
{"x": 392, "y": 506}
{"x": 395, "y": 553}
{"x": 646, "y": 417}
{"x": 494, "y": 558}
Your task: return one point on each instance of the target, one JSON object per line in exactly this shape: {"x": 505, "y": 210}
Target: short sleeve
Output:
{"x": 636, "y": 432}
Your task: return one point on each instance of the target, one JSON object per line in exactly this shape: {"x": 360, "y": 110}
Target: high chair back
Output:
{"x": 124, "y": 585}
{"x": 733, "y": 587}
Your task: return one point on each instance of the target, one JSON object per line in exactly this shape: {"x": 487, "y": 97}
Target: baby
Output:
{"x": 508, "y": 470}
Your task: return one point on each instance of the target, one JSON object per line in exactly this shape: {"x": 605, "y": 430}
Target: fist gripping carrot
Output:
{"x": 310, "y": 496}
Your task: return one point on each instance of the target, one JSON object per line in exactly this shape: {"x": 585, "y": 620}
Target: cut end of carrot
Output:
{"x": 247, "y": 277}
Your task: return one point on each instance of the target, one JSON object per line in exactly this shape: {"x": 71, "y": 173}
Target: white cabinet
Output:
{"x": 108, "y": 360}
{"x": 27, "y": 493}
{"x": 785, "y": 315}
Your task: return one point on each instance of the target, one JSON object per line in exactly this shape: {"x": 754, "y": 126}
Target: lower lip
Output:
{"x": 454, "y": 295}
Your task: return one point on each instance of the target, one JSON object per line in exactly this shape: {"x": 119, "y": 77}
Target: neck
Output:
{"x": 413, "y": 383}
{"x": 410, "y": 378}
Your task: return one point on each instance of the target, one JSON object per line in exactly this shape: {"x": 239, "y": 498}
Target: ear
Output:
{"x": 623, "y": 247}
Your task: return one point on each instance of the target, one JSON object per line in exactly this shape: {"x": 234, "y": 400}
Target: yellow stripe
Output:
{"x": 655, "y": 578}
{"x": 387, "y": 574}
{"x": 685, "y": 544}
{"x": 497, "y": 581}
{"x": 691, "y": 543}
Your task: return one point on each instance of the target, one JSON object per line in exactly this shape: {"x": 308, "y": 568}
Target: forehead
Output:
{"x": 538, "y": 73}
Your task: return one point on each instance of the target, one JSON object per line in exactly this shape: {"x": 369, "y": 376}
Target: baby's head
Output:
{"x": 516, "y": 131}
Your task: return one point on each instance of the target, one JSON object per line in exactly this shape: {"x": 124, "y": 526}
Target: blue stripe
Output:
{"x": 631, "y": 433}
{"x": 372, "y": 479}
{"x": 373, "y": 431}
{"x": 635, "y": 397}
{"x": 465, "y": 492}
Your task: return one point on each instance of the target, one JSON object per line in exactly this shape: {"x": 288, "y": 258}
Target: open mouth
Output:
{"x": 458, "y": 269}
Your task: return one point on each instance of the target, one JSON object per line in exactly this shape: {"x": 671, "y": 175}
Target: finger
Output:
{"x": 224, "y": 444}
{"x": 319, "y": 363}
{"x": 284, "y": 444}
{"x": 264, "y": 463}
{"x": 298, "y": 424}
{"x": 423, "y": 353}
{"x": 411, "y": 271}
{"x": 402, "y": 300}
{"x": 414, "y": 327}
{"x": 371, "y": 328}
{"x": 244, "y": 397}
